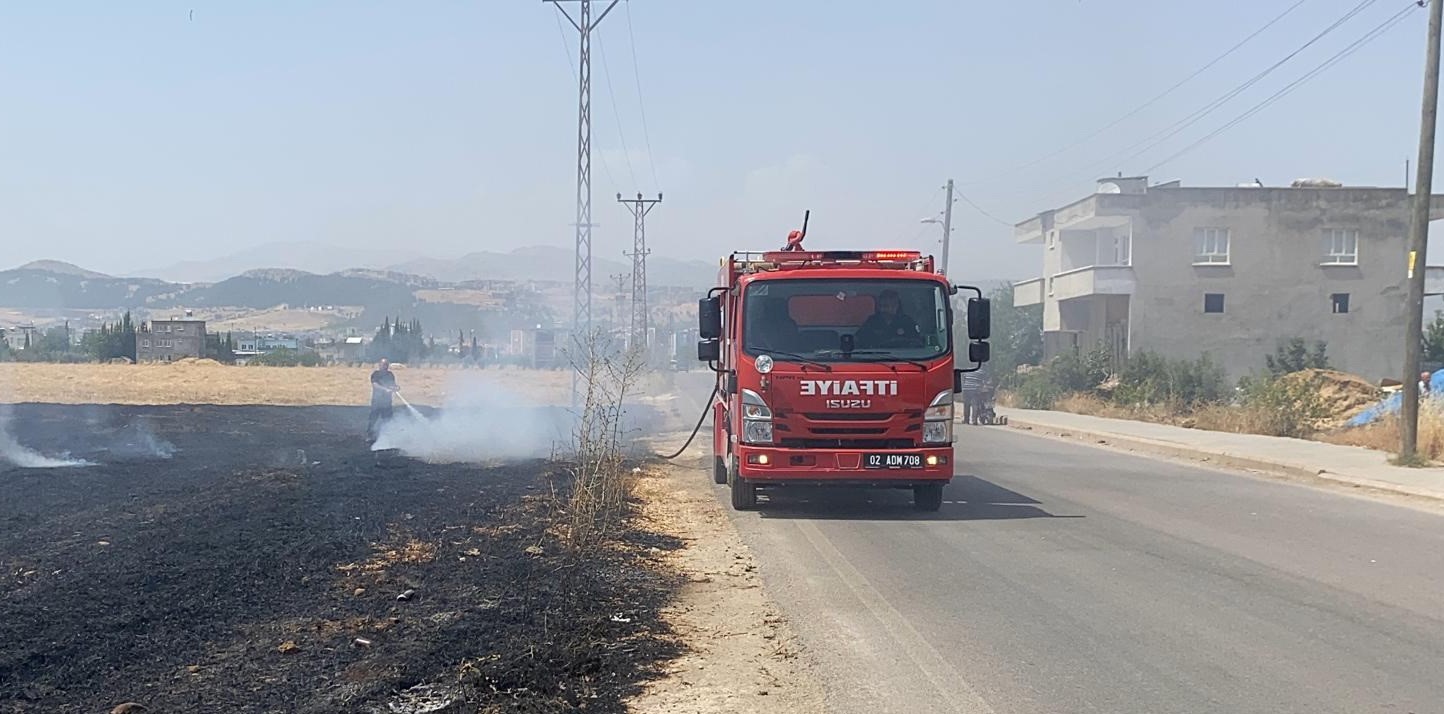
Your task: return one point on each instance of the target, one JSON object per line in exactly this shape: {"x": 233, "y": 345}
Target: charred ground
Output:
{"x": 237, "y": 574}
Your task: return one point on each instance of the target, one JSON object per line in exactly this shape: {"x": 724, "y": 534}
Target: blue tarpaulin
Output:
{"x": 1390, "y": 404}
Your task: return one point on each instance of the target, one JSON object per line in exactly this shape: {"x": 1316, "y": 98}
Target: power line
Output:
{"x": 572, "y": 66}
{"x": 1160, "y": 96}
{"x": 1157, "y": 139}
{"x": 980, "y": 209}
{"x": 616, "y": 113}
{"x": 637, "y": 74}
{"x": 1289, "y": 88}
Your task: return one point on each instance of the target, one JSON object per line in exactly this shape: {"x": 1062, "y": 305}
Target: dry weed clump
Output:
{"x": 600, "y": 483}
{"x": 1383, "y": 435}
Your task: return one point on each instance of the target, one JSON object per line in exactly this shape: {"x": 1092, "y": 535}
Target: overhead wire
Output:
{"x": 616, "y": 113}
{"x": 1156, "y": 98}
{"x": 1157, "y": 139}
{"x": 637, "y": 74}
{"x": 572, "y": 66}
{"x": 1338, "y": 57}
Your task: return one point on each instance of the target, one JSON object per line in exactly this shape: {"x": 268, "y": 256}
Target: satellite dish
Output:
{"x": 1109, "y": 187}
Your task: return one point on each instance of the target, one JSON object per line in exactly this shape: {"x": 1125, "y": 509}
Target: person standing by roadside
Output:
{"x": 972, "y": 396}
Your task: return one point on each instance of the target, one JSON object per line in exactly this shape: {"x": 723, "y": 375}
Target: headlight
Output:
{"x": 764, "y": 364}
{"x": 941, "y": 408}
{"x": 756, "y": 419}
{"x": 937, "y": 432}
{"x": 753, "y": 407}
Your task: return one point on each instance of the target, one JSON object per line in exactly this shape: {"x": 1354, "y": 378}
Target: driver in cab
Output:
{"x": 889, "y": 325}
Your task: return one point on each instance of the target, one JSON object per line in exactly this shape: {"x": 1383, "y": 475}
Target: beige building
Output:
{"x": 1227, "y": 271}
{"x": 170, "y": 340}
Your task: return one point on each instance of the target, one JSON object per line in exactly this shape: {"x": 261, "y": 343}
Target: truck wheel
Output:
{"x": 719, "y": 470}
{"x": 744, "y": 495}
{"x": 928, "y": 497}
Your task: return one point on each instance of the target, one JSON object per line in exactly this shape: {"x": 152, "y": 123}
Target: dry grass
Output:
{"x": 1383, "y": 435}
{"x": 1210, "y": 417}
{"x": 208, "y": 382}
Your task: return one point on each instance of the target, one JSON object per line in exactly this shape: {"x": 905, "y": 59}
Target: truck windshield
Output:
{"x": 848, "y": 320}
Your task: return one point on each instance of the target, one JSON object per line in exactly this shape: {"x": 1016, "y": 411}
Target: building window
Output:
{"x": 1050, "y": 286}
{"x": 1210, "y": 246}
{"x": 145, "y": 343}
{"x": 180, "y": 328}
{"x": 1341, "y": 247}
{"x": 1341, "y": 303}
{"x": 1213, "y": 302}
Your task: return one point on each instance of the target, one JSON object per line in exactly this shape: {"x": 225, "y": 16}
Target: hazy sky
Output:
{"x": 136, "y": 134}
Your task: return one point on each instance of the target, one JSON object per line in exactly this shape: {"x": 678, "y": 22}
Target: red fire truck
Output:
{"x": 835, "y": 368}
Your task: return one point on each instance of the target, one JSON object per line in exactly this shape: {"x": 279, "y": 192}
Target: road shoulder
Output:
{"x": 741, "y": 654}
{"x": 1317, "y": 470}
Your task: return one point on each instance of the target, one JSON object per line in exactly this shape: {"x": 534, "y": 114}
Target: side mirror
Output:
{"x": 980, "y": 320}
{"x": 979, "y": 352}
{"x": 709, "y": 350}
{"x": 957, "y": 381}
{"x": 709, "y": 318}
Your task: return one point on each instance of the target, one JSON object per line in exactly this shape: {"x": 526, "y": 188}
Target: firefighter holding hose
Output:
{"x": 383, "y": 386}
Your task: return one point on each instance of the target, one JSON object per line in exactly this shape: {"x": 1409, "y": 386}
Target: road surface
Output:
{"x": 1059, "y": 577}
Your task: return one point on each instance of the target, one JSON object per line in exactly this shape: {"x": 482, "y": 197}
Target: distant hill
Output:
{"x": 531, "y": 263}
{"x": 555, "y": 264}
{"x": 52, "y": 284}
{"x": 318, "y": 258}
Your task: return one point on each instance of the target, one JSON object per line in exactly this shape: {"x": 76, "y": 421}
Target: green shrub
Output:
{"x": 1148, "y": 379}
{"x": 287, "y": 358}
{"x": 1284, "y": 406}
{"x": 1038, "y": 390}
{"x": 1295, "y": 355}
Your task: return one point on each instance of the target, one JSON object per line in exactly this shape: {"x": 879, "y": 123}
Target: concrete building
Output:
{"x": 1182, "y": 271}
{"x": 170, "y": 340}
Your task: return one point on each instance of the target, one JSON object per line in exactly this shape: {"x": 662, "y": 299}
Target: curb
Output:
{"x": 1212, "y": 458}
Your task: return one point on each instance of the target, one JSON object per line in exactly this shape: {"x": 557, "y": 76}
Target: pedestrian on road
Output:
{"x": 972, "y": 396}
{"x": 383, "y": 385}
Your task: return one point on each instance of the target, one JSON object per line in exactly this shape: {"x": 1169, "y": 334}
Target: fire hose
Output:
{"x": 703, "y": 417}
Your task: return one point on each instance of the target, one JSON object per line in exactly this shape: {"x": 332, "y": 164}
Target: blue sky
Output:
{"x": 139, "y": 134}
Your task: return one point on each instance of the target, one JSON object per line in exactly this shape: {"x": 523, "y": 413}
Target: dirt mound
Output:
{"x": 1344, "y": 394}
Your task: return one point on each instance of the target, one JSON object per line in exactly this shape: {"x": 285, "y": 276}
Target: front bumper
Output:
{"x": 840, "y": 466}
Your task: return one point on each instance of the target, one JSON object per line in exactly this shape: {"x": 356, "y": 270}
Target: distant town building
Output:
{"x": 170, "y": 340}
{"x": 259, "y": 343}
{"x": 17, "y": 337}
{"x": 1227, "y": 271}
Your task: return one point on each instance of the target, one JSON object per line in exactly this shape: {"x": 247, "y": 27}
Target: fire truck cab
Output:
{"x": 835, "y": 368}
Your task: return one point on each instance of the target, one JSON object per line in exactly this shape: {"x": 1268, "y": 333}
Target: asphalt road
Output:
{"x": 1063, "y": 578}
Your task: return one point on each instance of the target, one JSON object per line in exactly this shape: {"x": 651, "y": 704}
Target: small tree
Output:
{"x": 1296, "y": 355}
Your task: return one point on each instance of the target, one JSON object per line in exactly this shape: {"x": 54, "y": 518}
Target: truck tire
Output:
{"x": 719, "y": 470}
{"x": 744, "y": 495}
{"x": 927, "y": 497}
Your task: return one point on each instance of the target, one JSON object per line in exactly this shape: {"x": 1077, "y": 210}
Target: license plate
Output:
{"x": 894, "y": 461}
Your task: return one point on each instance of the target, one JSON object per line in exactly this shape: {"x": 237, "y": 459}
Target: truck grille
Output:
{"x": 848, "y": 443}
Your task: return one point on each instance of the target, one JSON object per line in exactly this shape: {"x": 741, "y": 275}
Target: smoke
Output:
{"x": 480, "y": 422}
{"x": 15, "y": 454}
{"x": 136, "y": 440}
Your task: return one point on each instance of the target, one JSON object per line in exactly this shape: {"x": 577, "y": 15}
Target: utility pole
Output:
{"x": 947, "y": 227}
{"x": 639, "y": 207}
{"x": 582, "y": 282}
{"x": 1419, "y": 240}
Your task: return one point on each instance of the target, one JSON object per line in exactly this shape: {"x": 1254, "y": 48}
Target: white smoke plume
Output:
{"x": 480, "y": 422}
{"x": 15, "y": 454}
